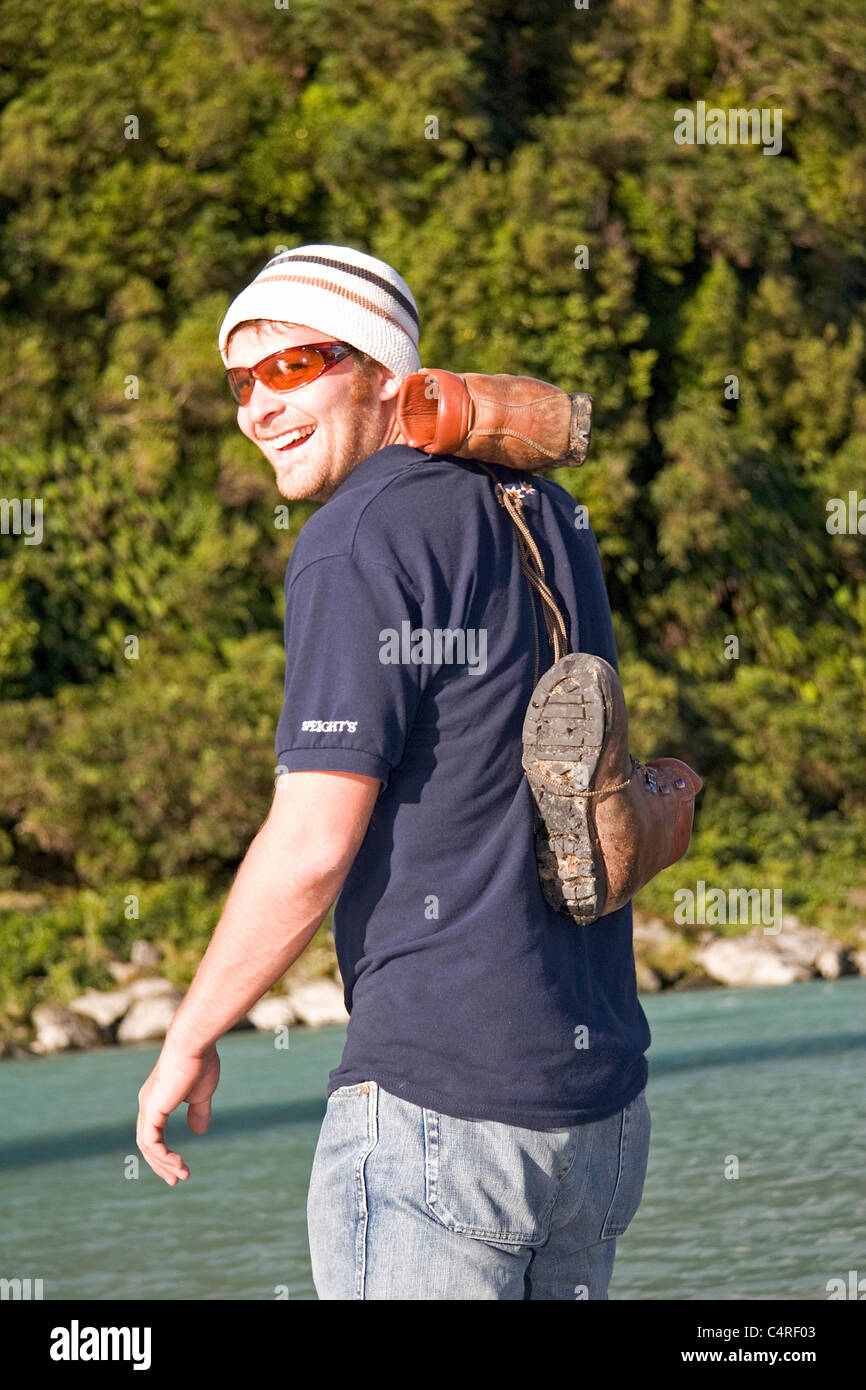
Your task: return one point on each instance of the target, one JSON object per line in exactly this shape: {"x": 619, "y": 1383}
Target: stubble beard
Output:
{"x": 362, "y": 436}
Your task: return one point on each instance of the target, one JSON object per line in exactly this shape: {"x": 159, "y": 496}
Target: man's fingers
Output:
{"x": 198, "y": 1116}
{"x": 164, "y": 1161}
{"x": 182, "y": 1078}
{"x": 171, "y": 1169}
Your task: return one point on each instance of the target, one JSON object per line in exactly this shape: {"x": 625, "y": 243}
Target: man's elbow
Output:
{"x": 317, "y": 824}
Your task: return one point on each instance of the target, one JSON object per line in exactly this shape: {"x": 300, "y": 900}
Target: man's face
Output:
{"x": 351, "y": 416}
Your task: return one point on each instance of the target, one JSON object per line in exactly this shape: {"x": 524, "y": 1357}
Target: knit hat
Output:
{"x": 336, "y": 290}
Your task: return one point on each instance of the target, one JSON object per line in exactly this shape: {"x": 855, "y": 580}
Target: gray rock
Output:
{"x": 58, "y": 1029}
{"x": 145, "y": 955}
{"x": 858, "y": 961}
{"x": 149, "y": 987}
{"x": 122, "y": 971}
{"x": 750, "y": 961}
{"x": 648, "y": 982}
{"x": 103, "y": 1006}
{"x": 318, "y": 1003}
{"x": 650, "y": 931}
{"x": 149, "y": 1018}
{"x": 811, "y": 947}
{"x": 831, "y": 962}
{"x": 274, "y": 1011}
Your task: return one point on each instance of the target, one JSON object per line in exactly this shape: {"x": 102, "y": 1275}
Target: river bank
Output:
{"x": 143, "y": 998}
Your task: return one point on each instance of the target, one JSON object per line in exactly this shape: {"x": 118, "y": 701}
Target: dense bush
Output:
{"x": 259, "y": 126}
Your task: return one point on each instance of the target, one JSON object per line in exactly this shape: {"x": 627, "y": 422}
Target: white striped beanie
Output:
{"x": 336, "y": 290}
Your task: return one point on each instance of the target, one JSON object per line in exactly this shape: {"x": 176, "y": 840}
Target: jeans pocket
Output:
{"x": 489, "y": 1180}
{"x": 633, "y": 1149}
{"x": 343, "y": 1092}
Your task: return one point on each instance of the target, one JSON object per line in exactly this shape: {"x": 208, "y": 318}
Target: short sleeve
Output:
{"x": 349, "y": 698}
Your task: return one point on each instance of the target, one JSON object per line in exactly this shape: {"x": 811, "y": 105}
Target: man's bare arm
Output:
{"x": 290, "y": 876}
{"x": 291, "y": 873}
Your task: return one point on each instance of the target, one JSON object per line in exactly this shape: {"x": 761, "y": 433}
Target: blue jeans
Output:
{"x": 407, "y": 1203}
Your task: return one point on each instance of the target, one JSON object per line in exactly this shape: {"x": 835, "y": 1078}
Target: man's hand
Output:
{"x": 290, "y": 876}
{"x": 177, "y": 1077}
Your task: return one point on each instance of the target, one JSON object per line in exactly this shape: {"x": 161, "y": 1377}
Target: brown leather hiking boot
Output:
{"x": 605, "y": 824}
{"x": 514, "y": 420}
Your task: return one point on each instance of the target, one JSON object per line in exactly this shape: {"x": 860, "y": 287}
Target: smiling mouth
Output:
{"x": 291, "y": 439}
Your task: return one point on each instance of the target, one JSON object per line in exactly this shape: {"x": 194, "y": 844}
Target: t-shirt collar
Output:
{"x": 379, "y": 462}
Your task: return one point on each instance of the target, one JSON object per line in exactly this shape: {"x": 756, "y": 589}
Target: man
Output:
{"x": 486, "y": 1132}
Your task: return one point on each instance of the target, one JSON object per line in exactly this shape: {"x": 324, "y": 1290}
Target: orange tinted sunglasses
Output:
{"x": 287, "y": 369}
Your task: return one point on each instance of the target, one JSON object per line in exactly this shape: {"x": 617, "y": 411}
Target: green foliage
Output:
{"x": 162, "y": 768}
{"x": 55, "y": 951}
{"x": 258, "y": 126}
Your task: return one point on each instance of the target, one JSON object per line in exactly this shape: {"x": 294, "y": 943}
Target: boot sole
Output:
{"x": 563, "y": 735}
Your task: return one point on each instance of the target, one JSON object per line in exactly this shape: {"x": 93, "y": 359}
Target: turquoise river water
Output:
{"x": 773, "y": 1078}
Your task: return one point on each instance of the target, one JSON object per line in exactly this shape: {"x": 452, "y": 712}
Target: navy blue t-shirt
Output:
{"x": 411, "y": 656}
